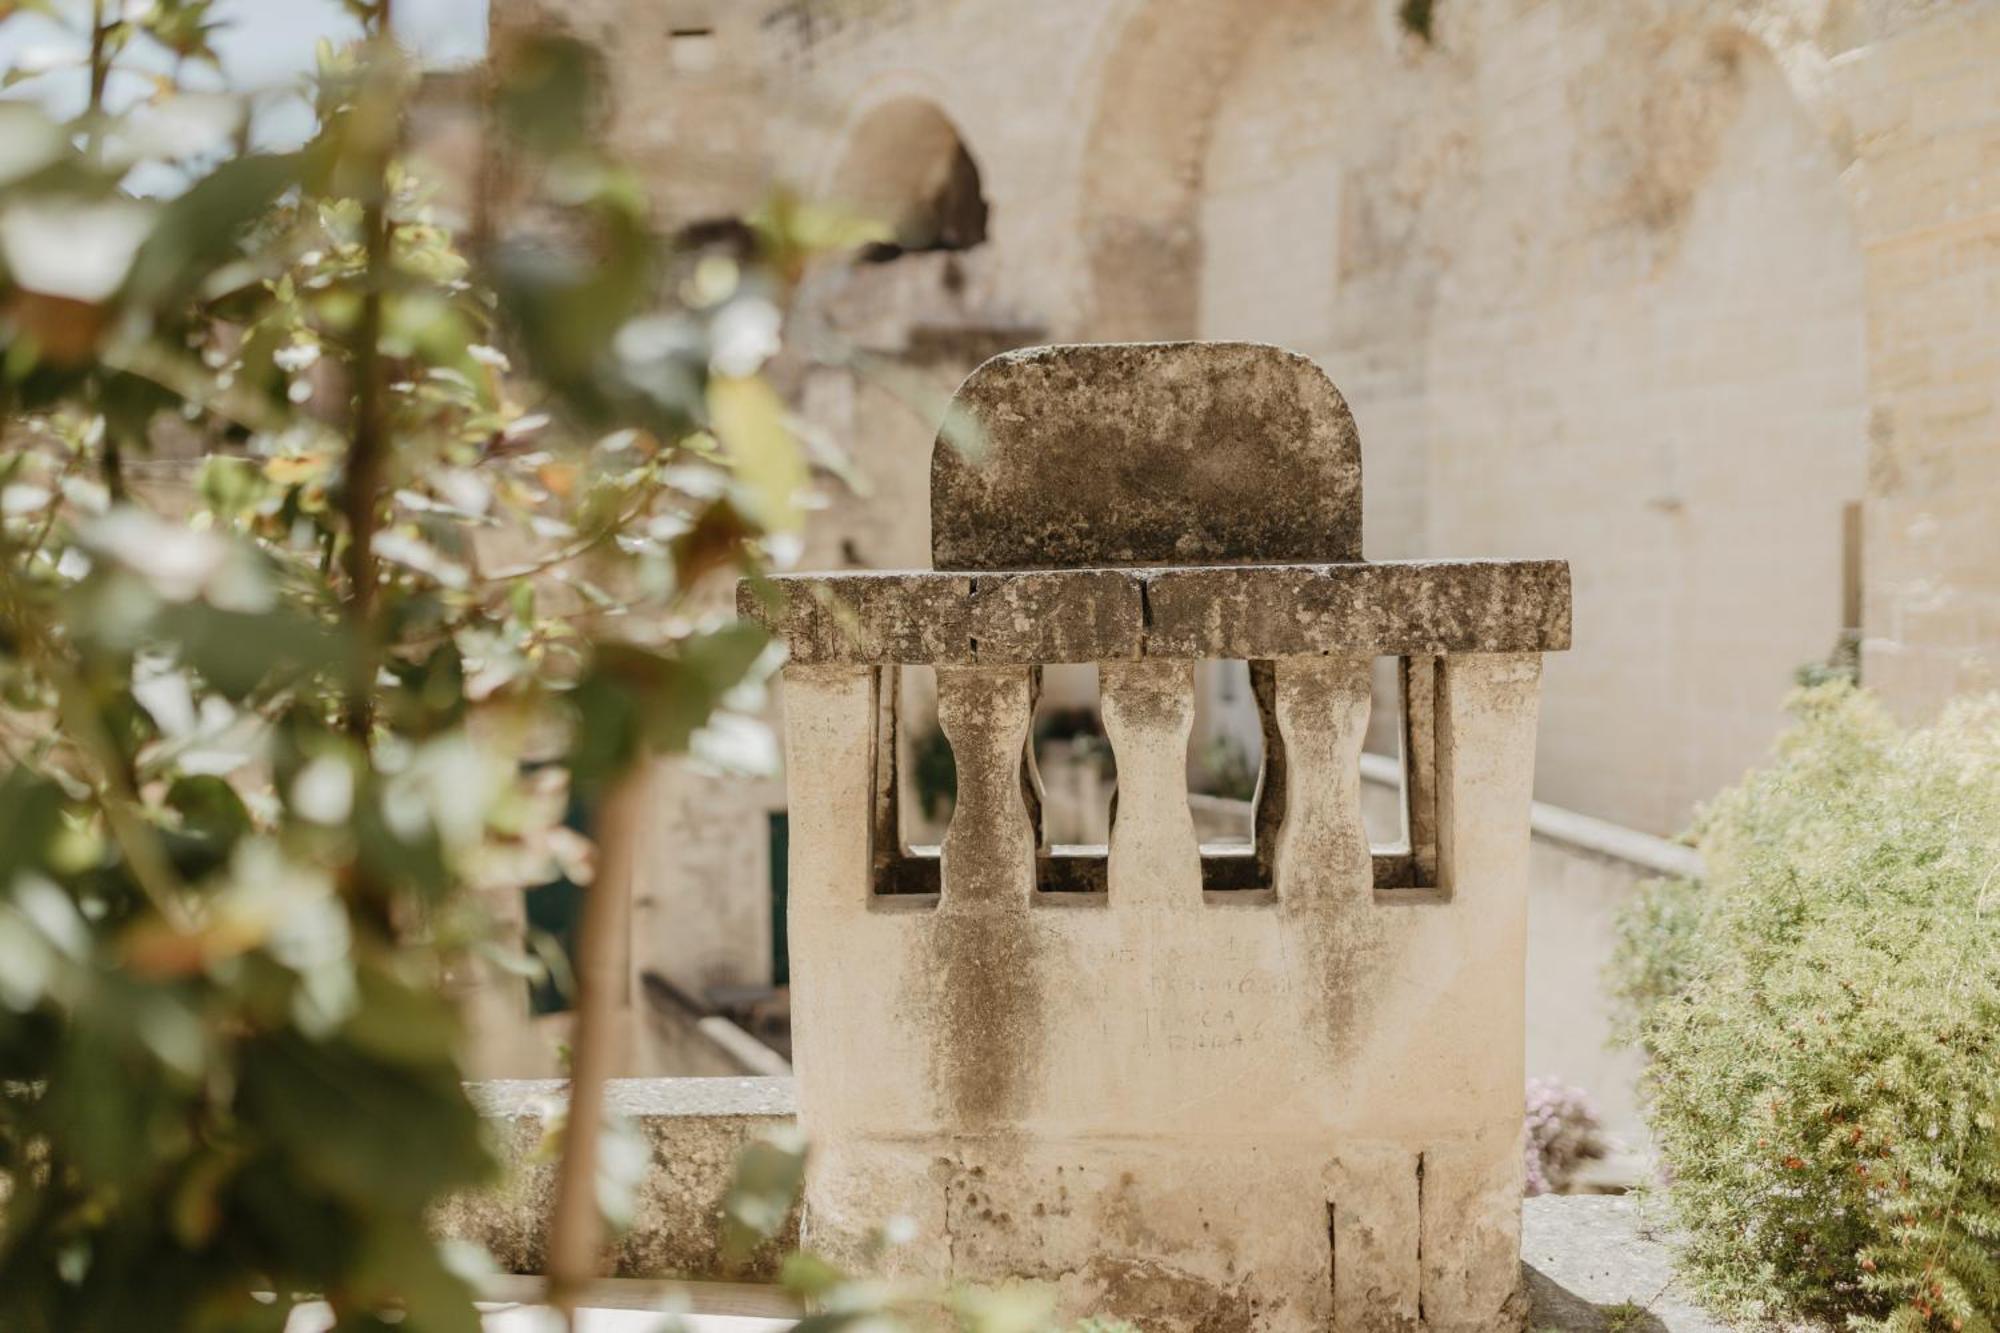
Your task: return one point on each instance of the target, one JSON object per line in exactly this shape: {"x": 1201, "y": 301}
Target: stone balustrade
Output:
{"x": 1267, "y": 1088}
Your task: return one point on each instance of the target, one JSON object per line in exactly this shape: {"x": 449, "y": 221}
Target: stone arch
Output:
{"x": 1162, "y": 80}
{"x": 1642, "y": 345}
{"x": 905, "y": 163}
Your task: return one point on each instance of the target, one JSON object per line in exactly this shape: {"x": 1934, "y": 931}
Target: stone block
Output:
{"x": 693, "y": 1129}
{"x": 1171, "y": 1108}
{"x": 1250, "y": 612}
{"x": 1145, "y": 453}
{"x": 1388, "y": 608}
{"x": 1276, "y": 1111}
{"x": 1015, "y": 618}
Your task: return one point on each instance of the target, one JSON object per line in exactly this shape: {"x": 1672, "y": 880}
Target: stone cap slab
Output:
{"x": 1097, "y": 454}
{"x": 1250, "y": 612}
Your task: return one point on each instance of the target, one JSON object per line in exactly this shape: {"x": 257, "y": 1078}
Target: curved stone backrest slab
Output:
{"x": 1098, "y": 454}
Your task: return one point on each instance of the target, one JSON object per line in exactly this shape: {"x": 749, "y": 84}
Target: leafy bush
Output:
{"x": 295, "y": 561}
{"x": 1654, "y": 954}
{"x": 1825, "y": 1076}
{"x": 1226, "y": 770}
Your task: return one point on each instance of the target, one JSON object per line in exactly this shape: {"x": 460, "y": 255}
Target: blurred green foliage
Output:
{"x": 1822, "y": 1014}
{"x": 313, "y": 524}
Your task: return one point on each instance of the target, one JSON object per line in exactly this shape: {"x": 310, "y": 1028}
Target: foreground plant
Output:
{"x": 297, "y": 567}
{"x": 1825, "y": 1077}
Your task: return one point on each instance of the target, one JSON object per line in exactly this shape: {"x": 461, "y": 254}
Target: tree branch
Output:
{"x": 368, "y": 455}
{"x": 597, "y": 1041}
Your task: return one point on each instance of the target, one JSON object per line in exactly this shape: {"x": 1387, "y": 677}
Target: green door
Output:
{"x": 781, "y": 860}
{"x": 555, "y": 912}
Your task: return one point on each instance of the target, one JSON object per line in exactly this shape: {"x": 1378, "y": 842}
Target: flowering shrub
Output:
{"x": 1825, "y": 1081}
{"x": 1563, "y": 1133}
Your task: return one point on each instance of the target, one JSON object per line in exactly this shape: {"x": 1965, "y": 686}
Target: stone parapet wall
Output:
{"x": 692, "y": 1129}
{"x": 1289, "y": 1109}
{"x": 1583, "y": 1259}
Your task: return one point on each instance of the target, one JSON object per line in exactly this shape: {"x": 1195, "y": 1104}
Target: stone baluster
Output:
{"x": 830, "y": 739}
{"x": 989, "y": 848}
{"x": 1325, "y": 880}
{"x": 1322, "y": 857}
{"x": 985, "y": 979}
{"x": 1148, "y": 715}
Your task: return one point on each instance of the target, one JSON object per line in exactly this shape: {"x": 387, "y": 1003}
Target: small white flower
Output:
{"x": 296, "y": 356}
{"x": 744, "y": 336}
{"x": 23, "y": 498}
{"x": 323, "y": 792}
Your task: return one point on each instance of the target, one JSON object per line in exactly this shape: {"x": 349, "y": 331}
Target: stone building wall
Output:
{"x": 1922, "y": 109}
{"x": 1703, "y": 295}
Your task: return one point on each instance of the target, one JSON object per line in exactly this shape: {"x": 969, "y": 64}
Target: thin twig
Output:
{"x": 100, "y": 75}
{"x": 583, "y": 546}
{"x": 112, "y": 458}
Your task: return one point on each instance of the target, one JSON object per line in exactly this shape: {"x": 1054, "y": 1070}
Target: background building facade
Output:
{"x": 1701, "y": 295}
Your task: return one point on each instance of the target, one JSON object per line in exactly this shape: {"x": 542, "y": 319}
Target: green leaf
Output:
{"x": 30, "y": 817}
{"x": 212, "y": 819}
{"x": 201, "y": 229}
{"x": 402, "y": 1024}
{"x": 763, "y": 1192}
{"x": 29, "y": 140}
{"x": 326, "y": 1106}
{"x": 237, "y": 651}
{"x": 634, "y": 697}
{"x": 401, "y": 1265}
{"x": 808, "y": 1276}
{"x": 749, "y": 419}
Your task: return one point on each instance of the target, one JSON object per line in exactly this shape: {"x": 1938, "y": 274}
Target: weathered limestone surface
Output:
{"x": 1295, "y": 1106}
{"x": 1589, "y": 1264}
{"x": 1020, "y": 617}
{"x": 1146, "y": 453}
{"x": 693, "y": 1130}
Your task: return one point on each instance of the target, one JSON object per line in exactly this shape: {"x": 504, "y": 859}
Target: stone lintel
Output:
{"x": 1392, "y": 608}
{"x": 1250, "y": 612}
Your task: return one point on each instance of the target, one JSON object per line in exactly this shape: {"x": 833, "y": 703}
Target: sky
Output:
{"x": 266, "y": 44}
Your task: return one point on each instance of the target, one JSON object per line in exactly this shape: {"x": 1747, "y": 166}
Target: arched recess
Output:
{"x": 906, "y": 165}
{"x": 1162, "y": 80}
